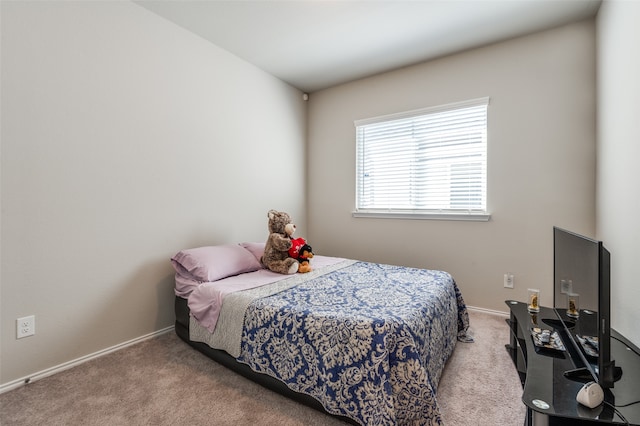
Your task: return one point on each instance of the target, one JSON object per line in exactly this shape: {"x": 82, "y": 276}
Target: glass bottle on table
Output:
{"x": 534, "y": 300}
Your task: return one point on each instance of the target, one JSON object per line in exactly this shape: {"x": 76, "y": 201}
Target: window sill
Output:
{"x": 465, "y": 216}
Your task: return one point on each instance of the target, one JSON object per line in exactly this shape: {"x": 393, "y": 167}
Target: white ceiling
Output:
{"x": 315, "y": 44}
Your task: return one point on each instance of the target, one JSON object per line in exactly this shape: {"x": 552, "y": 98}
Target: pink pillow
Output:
{"x": 214, "y": 263}
{"x": 257, "y": 249}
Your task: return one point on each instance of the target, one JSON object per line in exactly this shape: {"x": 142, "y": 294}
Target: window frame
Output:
{"x": 433, "y": 214}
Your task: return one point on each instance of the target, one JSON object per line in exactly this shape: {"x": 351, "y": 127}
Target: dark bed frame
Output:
{"x": 221, "y": 357}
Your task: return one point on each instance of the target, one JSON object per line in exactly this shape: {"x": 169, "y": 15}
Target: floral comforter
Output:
{"x": 369, "y": 341}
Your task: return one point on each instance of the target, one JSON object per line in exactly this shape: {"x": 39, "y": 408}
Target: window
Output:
{"x": 428, "y": 163}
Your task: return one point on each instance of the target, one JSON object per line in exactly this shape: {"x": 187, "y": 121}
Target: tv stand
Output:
{"x": 582, "y": 375}
{"x": 557, "y": 323}
{"x": 550, "y": 394}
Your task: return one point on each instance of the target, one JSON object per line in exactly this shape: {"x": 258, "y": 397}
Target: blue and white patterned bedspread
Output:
{"x": 368, "y": 341}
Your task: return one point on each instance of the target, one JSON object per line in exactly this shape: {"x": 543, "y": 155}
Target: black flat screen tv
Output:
{"x": 582, "y": 287}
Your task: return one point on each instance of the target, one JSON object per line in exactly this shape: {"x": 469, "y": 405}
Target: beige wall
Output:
{"x": 541, "y": 159}
{"x": 125, "y": 139}
{"x": 618, "y": 153}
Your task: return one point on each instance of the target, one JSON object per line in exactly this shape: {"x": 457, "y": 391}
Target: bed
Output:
{"x": 363, "y": 341}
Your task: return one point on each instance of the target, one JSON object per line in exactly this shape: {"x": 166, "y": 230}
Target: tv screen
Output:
{"x": 576, "y": 264}
{"x": 582, "y": 301}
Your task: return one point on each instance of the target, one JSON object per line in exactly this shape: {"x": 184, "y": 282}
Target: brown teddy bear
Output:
{"x": 276, "y": 250}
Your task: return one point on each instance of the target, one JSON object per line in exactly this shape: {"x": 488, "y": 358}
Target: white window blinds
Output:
{"x": 430, "y": 161}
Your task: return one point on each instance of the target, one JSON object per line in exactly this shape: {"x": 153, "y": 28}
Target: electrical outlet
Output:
{"x": 508, "y": 280}
{"x": 26, "y": 326}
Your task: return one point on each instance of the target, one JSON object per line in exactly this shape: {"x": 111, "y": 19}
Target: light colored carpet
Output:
{"x": 480, "y": 385}
{"x": 163, "y": 381}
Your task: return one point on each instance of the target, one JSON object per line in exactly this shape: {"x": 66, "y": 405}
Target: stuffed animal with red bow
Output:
{"x": 302, "y": 252}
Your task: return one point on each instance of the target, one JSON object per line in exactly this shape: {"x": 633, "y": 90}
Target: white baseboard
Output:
{"x": 67, "y": 365}
{"x": 488, "y": 311}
